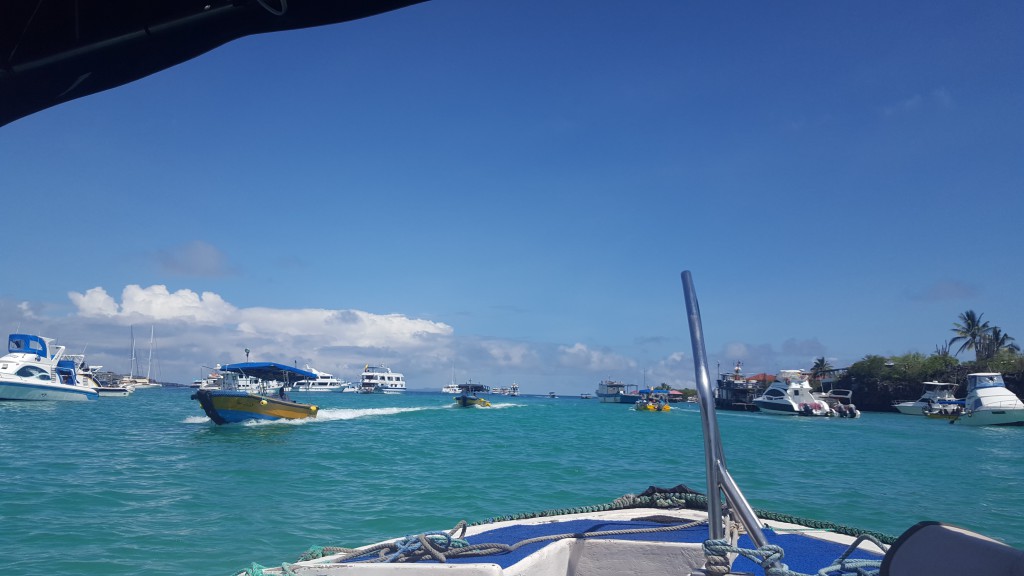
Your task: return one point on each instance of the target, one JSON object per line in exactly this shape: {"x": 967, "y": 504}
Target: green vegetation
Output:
{"x": 877, "y": 381}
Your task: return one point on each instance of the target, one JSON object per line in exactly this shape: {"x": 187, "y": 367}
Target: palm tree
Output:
{"x": 821, "y": 366}
{"x": 995, "y": 341}
{"x": 972, "y": 331}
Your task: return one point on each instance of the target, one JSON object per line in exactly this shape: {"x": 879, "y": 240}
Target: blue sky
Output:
{"x": 513, "y": 187}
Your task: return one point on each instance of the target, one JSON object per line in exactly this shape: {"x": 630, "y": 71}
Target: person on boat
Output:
{"x": 283, "y": 395}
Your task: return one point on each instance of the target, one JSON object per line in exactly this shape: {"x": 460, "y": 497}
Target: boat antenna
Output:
{"x": 718, "y": 477}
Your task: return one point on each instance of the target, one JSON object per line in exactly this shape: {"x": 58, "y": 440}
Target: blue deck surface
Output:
{"x": 802, "y": 554}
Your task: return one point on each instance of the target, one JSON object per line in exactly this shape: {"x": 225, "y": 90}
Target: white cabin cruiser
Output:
{"x": 34, "y": 368}
{"x": 934, "y": 396}
{"x": 791, "y": 395}
{"x": 989, "y": 403}
{"x": 323, "y": 382}
{"x": 381, "y": 380}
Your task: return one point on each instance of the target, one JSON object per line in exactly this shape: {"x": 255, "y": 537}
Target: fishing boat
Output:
{"x": 35, "y": 368}
{"x": 610, "y": 391}
{"x": 323, "y": 382}
{"x": 734, "y": 391}
{"x": 790, "y": 395}
{"x": 231, "y": 404}
{"x": 989, "y": 403}
{"x": 668, "y": 531}
{"x": 933, "y": 397}
{"x": 381, "y": 380}
{"x": 468, "y": 396}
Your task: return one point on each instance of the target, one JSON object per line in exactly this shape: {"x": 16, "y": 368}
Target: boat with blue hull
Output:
{"x": 35, "y": 368}
{"x": 673, "y": 531}
{"x": 232, "y": 404}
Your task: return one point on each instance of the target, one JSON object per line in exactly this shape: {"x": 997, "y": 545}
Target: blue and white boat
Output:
{"x": 34, "y": 368}
{"x": 669, "y": 531}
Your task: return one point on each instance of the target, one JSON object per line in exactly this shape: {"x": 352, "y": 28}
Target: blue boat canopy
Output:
{"x": 269, "y": 371}
{"x": 27, "y": 344}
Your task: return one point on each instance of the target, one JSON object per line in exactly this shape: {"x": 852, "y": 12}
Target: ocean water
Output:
{"x": 147, "y": 484}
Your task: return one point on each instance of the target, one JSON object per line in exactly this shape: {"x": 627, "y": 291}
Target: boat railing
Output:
{"x": 719, "y": 480}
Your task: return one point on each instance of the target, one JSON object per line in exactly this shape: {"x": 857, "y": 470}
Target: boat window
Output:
{"x": 989, "y": 381}
{"x": 33, "y": 372}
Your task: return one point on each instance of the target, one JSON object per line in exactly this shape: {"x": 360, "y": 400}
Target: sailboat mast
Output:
{"x": 131, "y": 364}
{"x": 149, "y": 366}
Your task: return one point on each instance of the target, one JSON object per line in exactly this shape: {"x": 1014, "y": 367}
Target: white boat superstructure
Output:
{"x": 791, "y": 395}
{"x": 990, "y": 403}
{"x": 86, "y": 376}
{"x": 450, "y": 389}
{"x": 933, "y": 396}
{"x": 249, "y": 383}
{"x": 34, "y": 368}
{"x": 381, "y": 380}
{"x": 323, "y": 382}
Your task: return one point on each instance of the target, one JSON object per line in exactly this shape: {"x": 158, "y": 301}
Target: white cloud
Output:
{"x": 581, "y": 357}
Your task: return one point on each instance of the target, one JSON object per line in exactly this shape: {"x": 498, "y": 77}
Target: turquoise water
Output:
{"x": 147, "y": 484}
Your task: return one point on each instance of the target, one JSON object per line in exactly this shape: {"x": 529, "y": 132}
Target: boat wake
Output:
{"x": 331, "y": 414}
{"x": 324, "y": 415}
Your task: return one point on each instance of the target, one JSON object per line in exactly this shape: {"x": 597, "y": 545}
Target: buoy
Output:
{"x": 312, "y": 408}
{"x": 263, "y": 402}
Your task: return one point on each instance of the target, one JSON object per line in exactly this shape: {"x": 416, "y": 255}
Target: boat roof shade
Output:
{"x": 55, "y": 51}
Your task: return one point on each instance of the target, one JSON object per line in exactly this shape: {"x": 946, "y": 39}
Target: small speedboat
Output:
{"x": 231, "y": 404}
{"x": 468, "y": 396}
{"x": 933, "y": 397}
{"x": 652, "y": 405}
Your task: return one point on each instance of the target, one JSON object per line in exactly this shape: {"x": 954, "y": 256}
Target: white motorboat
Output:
{"x": 323, "y": 382}
{"x": 934, "y": 396}
{"x": 381, "y": 380}
{"x": 450, "y": 389}
{"x": 86, "y": 376}
{"x": 791, "y": 395}
{"x": 989, "y": 403}
{"x": 34, "y": 368}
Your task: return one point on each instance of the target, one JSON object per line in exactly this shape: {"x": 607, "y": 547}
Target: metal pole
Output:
{"x": 709, "y": 424}
{"x": 719, "y": 479}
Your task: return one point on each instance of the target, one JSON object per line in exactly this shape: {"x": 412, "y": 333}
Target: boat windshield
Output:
{"x": 976, "y": 381}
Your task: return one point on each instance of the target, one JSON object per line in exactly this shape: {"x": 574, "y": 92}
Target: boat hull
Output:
{"x": 994, "y": 417}
{"x": 648, "y": 407}
{"x": 231, "y": 406}
{"x": 470, "y": 402}
{"x": 29, "y": 391}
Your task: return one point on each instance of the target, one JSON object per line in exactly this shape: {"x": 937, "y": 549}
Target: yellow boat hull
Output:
{"x": 229, "y": 406}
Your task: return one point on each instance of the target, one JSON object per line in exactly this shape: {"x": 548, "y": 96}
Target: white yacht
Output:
{"x": 34, "y": 368}
{"x": 989, "y": 403}
{"x": 934, "y": 396}
{"x": 791, "y": 395}
{"x": 323, "y": 382}
{"x": 450, "y": 389}
{"x": 381, "y": 380}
